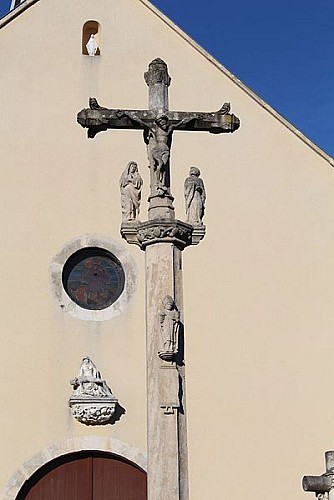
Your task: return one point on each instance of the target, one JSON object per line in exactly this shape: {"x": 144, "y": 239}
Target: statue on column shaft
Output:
{"x": 195, "y": 196}
{"x": 130, "y": 185}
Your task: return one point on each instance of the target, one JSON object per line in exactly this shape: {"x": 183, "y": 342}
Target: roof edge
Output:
{"x": 239, "y": 83}
{"x": 12, "y": 14}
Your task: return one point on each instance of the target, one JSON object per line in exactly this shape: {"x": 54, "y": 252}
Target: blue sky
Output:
{"x": 283, "y": 50}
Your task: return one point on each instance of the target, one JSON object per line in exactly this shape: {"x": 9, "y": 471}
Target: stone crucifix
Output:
{"x": 158, "y": 125}
{"x": 322, "y": 486}
{"x": 163, "y": 238}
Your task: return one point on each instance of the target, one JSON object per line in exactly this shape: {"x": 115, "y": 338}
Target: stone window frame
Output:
{"x": 92, "y": 241}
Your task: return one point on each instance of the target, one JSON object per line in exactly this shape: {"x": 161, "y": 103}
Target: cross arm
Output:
{"x": 97, "y": 119}
{"x": 218, "y": 122}
{"x": 100, "y": 119}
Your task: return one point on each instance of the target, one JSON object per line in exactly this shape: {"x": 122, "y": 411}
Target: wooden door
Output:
{"x": 83, "y": 476}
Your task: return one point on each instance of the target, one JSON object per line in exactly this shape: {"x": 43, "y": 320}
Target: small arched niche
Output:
{"x": 91, "y": 28}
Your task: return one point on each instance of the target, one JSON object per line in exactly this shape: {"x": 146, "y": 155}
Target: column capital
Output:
{"x": 177, "y": 232}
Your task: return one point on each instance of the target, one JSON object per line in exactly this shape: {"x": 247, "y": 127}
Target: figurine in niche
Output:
{"x": 130, "y": 185}
{"x": 169, "y": 319}
{"x": 92, "y": 46}
{"x": 89, "y": 382}
{"x": 194, "y": 193}
{"x": 158, "y": 135}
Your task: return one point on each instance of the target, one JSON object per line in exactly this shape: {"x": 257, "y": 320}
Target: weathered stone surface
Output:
{"x": 158, "y": 124}
{"x": 66, "y": 304}
{"x": 322, "y": 485}
{"x": 92, "y": 402}
{"x": 70, "y": 445}
{"x": 150, "y": 232}
{"x": 167, "y": 438}
{"x": 158, "y": 231}
{"x": 130, "y": 185}
{"x": 169, "y": 319}
{"x": 197, "y": 234}
{"x": 102, "y": 119}
{"x": 163, "y": 238}
{"x": 195, "y": 196}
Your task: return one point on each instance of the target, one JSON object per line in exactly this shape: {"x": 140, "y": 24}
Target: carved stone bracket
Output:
{"x": 158, "y": 231}
{"x": 197, "y": 234}
{"x": 93, "y": 411}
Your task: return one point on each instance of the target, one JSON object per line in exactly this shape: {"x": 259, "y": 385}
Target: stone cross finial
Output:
{"x": 158, "y": 81}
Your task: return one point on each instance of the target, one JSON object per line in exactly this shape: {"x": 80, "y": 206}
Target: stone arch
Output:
{"x": 122, "y": 255}
{"x": 72, "y": 445}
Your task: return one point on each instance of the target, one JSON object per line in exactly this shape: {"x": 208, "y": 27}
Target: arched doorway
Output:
{"x": 92, "y": 475}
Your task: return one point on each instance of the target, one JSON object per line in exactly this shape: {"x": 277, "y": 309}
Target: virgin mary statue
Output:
{"x": 130, "y": 185}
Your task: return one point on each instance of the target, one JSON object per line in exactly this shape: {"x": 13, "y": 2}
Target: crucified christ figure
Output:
{"x": 158, "y": 138}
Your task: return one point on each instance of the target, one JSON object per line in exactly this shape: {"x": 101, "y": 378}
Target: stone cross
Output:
{"x": 158, "y": 124}
{"x": 322, "y": 486}
{"x": 163, "y": 238}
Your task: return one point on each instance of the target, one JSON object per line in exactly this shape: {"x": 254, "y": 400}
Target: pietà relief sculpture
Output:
{"x": 92, "y": 401}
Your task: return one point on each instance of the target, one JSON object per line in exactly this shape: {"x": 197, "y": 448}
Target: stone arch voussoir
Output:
{"x": 72, "y": 445}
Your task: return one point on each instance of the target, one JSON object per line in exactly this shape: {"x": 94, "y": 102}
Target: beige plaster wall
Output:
{"x": 258, "y": 289}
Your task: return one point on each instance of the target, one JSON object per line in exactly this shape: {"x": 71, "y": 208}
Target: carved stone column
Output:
{"x": 167, "y": 440}
{"x": 163, "y": 242}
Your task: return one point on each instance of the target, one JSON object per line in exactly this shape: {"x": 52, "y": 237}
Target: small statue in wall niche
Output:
{"x": 130, "y": 185}
{"x": 169, "y": 318}
{"x": 92, "y": 46}
{"x": 92, "y": 401}
{"x": 195, "y": 196}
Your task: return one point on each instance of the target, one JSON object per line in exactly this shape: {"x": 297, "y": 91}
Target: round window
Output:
{"x": 93, "y": 278}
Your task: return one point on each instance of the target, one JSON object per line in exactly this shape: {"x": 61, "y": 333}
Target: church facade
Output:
{"x": 256, "y": 303}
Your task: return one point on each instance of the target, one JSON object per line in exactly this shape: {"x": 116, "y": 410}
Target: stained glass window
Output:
{"x": 93, "y": 278}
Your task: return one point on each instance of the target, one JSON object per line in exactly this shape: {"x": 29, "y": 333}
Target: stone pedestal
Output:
{"x": 161, "y": 206}
{"x": 163, "y": 241}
